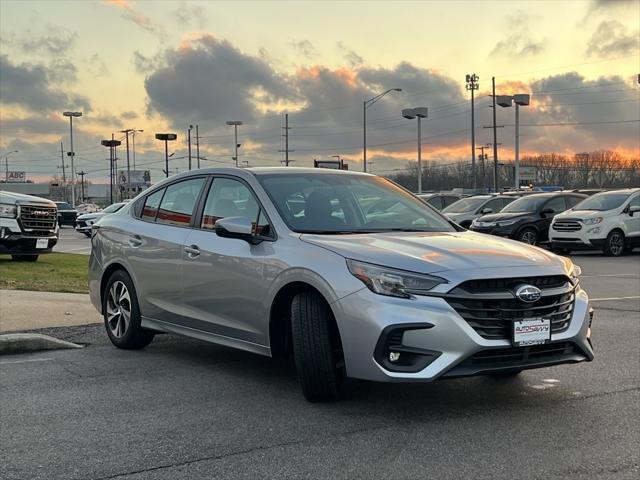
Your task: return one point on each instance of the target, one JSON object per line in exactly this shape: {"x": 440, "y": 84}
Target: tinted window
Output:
{"x": 179, "y": 201}
{"x": 465, "y": 205}
{"x": 64, "y": 206}
{"x": 506, "y": 201}
{"x": 526, "y": 204}
{"x": 635, "y": 202}
{"x": 556, "y": 204}
{"x": 573, "y": 201}
{"x": 229, "y": 198}
{"x": 495, "y": 205}
{"x": 151, "y": 204}
{"x": 435, "y": 202}
{"x": 338, "y": 203}
{"x": 446, "y": 201}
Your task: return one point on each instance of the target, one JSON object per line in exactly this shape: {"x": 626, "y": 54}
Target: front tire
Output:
{"x": 529, "y": 236}
{"x": 614, "y": 246}
{"x": 316, "y": 348}
{"x": 122, "y": 314}
{"x": 25, "y": 258}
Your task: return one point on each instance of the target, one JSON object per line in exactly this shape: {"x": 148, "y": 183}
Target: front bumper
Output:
{"x": 578, "y": 240}
{"x": 14, "y": 241}
{"x": 506, "y": 232}
{"x": 452, "y": 346}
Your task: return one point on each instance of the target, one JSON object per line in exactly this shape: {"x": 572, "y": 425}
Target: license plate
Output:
{"x": 42, "y": 243}
{"x": 531, "y": 331}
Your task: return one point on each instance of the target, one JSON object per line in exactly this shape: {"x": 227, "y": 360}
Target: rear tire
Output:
{"x": 614, "y": 245}
{"x": 316, "y": 348}
{"x": 529, "y": 236}
{"x": 24, "y": 258}
{"x": 122, "y": 314}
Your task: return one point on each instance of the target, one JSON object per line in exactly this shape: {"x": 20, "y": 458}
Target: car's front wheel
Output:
{"x": 614, "y": 245}
{"x": 528, "y": 235}
{"x": 316, "y": 348}
{"x": 122, "y": 313}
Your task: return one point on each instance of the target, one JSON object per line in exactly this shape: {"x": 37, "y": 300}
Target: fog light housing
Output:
{"x": 594, "y": 230}
{"x": 392, "y": 355}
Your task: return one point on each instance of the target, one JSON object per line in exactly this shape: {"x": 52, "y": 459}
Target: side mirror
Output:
{"x": 235, "y": 227}
{"x": 484, "y": 211}
{"x": 633, "y": 210}
{"x": 547, "y": 211}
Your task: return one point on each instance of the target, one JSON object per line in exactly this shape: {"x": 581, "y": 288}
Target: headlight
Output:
{"x": 592, "y": 221}
{"x": 8, "y": 211}
{"x": 392, "y": 282}
{"x": 506, "y": 223}
{"x": 574, "y": 272}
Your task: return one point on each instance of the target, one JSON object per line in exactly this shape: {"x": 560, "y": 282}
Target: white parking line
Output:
{"x": 613, "y": 298}
{"x": 27, "y": 361}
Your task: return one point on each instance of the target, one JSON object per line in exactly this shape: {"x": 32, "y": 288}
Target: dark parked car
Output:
{"x": 528, "y": 218}
{"x": 66, "y": 214}
{"x": 440, "y": 201}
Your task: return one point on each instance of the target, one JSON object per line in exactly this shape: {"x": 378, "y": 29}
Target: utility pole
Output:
{"x": 112, "y": 144}
{"x": 189, "y": 140}
{"x": 235, "y": 124}
{"x": 128, "y": 166}
{"x": 286, "y": 150}
{"x": 198, "y": 146}
{"x": 472, "y": 85}
{"x": 72, "y": 153}
{"x": 82, "y": 173}
{"x": 495, "y": 136}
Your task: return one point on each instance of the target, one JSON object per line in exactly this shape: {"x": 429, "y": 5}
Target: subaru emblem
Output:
{"x": 528, "y": 293}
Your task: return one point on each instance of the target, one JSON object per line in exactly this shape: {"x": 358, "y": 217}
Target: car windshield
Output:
{"x": 465, "y": 205}
{"x": 63, "y": 206}
{"x": 346, "y": 203}
{"x": 525, "y": 204}
{"x": 602, "y": 201}
{"x": 113, "y": 208}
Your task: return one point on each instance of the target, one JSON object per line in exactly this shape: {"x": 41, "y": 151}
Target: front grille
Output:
{"x": 490, "y": 306}
{"x": 517, "y": 355}
{"x": 38, "y": 218}
{"x": 566, "y": 225}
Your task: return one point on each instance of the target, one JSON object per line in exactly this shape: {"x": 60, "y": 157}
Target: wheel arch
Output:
{"x": 106, "y": 274}
{"x": 280, "y": 341}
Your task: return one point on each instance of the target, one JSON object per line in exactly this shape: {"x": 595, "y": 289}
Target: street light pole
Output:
{"x": 198, "y": 146}
{"x": 235, "y": 124}
{"x": 419, "y": 113}
{"x": 72, "y": 154}
{"x": 189, "y": 140}
{"x": 472, "y": 85}
{"x": 366, "y": 104}
{"x": 520, "y": 99}
{"x": 112, "y": 144}
{"x": 6, "y": 165}
{"x": 166, "y": 137}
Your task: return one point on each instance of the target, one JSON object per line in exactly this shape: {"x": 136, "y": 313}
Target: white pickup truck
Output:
{"x": 28, "y": 226}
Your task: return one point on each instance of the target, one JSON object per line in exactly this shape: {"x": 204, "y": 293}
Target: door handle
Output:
{"x": 192, "y": 251}
{"x": 135, "y": 241}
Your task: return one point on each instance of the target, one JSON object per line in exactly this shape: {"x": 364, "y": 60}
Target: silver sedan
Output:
{"x": 347, "y": 272}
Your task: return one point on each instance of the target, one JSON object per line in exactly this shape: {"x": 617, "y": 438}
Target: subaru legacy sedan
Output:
{"x": 294, "y": 262}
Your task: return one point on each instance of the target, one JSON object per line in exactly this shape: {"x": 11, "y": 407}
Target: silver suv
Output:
{"x": 347, "y": 272}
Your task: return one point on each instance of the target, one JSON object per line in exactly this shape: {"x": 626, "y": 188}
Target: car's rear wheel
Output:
{"x": 614, "y": 245}
{"x": 528, "y": 235}
{"x": 25, "y": 258}
{"x": 316, "y": 348}
{"x": 122, "y": 313}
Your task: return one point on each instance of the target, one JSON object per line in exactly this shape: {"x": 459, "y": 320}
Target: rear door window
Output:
{"x": 151, "y": 204}
{"x": 179, "y": 201}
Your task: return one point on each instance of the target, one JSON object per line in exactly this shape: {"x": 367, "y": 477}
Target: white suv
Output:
{"x": 609, "y": 221}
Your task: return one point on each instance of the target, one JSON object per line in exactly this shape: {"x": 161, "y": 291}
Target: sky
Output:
{"x": 160, "y": 66}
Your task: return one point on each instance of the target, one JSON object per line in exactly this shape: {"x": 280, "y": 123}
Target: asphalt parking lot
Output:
{"x": 182, "y": 409}
{"x": 71, "y": 241}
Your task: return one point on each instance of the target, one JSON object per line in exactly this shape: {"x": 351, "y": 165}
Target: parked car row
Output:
{"x": 84, "y": 222}
{"x": 567, "y": 221}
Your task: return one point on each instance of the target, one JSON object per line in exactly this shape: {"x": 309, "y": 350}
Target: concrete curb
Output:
{"x": 13, "y": 343}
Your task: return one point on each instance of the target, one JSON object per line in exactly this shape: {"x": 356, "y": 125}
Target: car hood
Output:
{"x": 498, "y": 217}
{"x": 22, "y": 199}
{"x": 427, "y": 252}
{"x": 580, "y": 214}
{"x": 91, "y": 216}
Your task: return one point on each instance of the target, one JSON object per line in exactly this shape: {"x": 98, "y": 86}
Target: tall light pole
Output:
{"x": 472, "y": 85}
{"x": 189, "y": 140}
{"x": 520, "y": 99}
{"x": 419, "y": 113}
{"x": 6, "y": 165}
{"x": 72, "y": 154}
{"x": 235, "y": 124}
{"x": 127, "y": 132}
{"x": 366, "y": 104}
{"x": 166, "y": 137}
{"x": 134, "y": 146}
{"x": 198, "y": 146}
{"x": 112, "y": 144}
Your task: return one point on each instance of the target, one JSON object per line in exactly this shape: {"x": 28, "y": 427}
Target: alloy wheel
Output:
{"x": 616, "y": 244}
{"x": 118, "y": 309}
{"x": 529, "y": 237}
